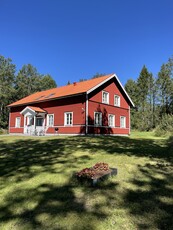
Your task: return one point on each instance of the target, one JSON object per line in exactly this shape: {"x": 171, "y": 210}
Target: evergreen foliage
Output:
{"x": 16, "y": 86}
{"x": 153, "y": 98}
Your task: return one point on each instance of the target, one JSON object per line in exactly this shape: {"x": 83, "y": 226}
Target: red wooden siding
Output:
{"x": 77, "y": 106}
{"x": 95, "y": 105}
{"x": 58, "y": 108}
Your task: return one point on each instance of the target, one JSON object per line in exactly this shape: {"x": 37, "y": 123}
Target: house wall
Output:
{"x": 74, "y": 104}
{"x": 95, "y": 105}
{"x": 77, "y": 105}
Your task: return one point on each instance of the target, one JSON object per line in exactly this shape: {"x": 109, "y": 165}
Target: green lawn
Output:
{"x": 38, "y": 191}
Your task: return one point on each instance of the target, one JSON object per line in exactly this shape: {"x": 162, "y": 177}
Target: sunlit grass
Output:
{"x": 38, "y": 189}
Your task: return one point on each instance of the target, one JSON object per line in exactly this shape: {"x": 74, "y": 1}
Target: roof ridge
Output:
{"x": 73, "y": 83}
{"x": 63, "y": 91}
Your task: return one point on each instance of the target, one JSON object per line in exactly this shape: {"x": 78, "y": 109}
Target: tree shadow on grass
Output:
{"x": 50, "y": 206}
{"x": 151, "y": 203}
{"x": 19, "y": 158}
{"x": 50, "y": 203}
{"x": 161, "y": 149}
{"x": 47, "y": 204}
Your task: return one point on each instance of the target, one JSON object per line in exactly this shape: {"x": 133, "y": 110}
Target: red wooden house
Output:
{"x": 96, "y": 106}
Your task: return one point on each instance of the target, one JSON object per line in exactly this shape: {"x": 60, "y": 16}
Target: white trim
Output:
{"x": 119, "y": 100}
{"x": 107, "y": 93}
{"x": 26, "y": 109}
{"x": 95, "y": 119}
{"x": 47, "y": 123}
{"x": 86, "y": 115}
{"x": 112, "y": 126}
{"x": 112, "y": 76}
{"x": 59, "y": 126}
{"x": 124, "y": 90}
{"x": 16, "y": 124}
{"x": 101, "y": 83}
{"x": 123, "y": 127}
{"x": 66, "y": 134}
{"x": 101, "y": 126}
{"x": 65, "y": 121}
{"x": 129, "y": 121}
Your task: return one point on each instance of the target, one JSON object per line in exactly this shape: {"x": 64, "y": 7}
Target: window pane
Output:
{"x": 122, "y": 122}
{"x": 39, "y": 121}
{"x": 111, "y": 120}
{"x": 50, "y": 120}
{"x": 68, "y": 118}
{"x": 98, "y": 119}
{"x": 17, "y": 122}
{"x": 117, "y": 100}
{"x": 105, "y": 97}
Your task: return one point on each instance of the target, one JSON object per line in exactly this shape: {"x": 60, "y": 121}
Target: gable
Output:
{"x": 112, "y": 87}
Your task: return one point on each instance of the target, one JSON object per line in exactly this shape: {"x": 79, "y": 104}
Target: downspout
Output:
{"x": 86, "y": 115}
{"x": 129, "y": 121}
{"x": 9, "y": 120}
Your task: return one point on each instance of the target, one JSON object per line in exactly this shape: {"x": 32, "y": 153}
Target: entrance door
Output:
{"x": 39, "y": 121}
{"x": 39, "y": 125}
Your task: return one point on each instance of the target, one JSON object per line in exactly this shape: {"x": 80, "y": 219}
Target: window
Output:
{"x": 17, "y": 125}
{"x": 50, "y": 95}
{"x": 39, "y": 121}
{"x": 68, "y": 118}
{"x": 116, "y": 100}
{"x": 105, "y": 97}
{"x": 98, "y": 118}
{"x": 111, "y": 120}
{"x": 50, "y": 120}
{"x": 122, "y": 122}
{"x": 30, "y": 120}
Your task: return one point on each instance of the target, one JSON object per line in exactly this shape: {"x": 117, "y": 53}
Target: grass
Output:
{"x": 38, "y": 191}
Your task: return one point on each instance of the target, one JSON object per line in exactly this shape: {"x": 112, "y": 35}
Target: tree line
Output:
{"x": 16, "y": 85}
{"x": 152, "y": 95}
{"x": 153, "y": 98}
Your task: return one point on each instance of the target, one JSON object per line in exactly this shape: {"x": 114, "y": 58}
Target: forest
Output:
{"x": 152, "y": 95}
{"x": 15, "y": 85}
{"x": 153, "y": 99}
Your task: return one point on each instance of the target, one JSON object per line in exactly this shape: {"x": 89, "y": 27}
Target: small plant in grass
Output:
{"x": 90, "y": 173}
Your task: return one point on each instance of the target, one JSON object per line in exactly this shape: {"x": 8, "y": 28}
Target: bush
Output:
{"x": 166, "y": 126}
{"x": 3, "y": 131}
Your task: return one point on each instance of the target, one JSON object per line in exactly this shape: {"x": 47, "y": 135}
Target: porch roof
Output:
{"x": 37, "y": 109}
{"x": 33, "y": 110}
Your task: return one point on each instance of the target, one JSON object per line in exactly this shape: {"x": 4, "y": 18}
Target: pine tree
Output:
{"x": 7, "y": 92}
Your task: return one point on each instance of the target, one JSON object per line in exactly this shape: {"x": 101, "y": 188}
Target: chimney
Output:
{"x": 74, "y": 83}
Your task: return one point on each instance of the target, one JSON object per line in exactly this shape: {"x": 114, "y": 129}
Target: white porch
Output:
{"x": 34, "y": 121}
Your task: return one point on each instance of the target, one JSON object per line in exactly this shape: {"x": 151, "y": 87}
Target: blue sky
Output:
{"x": 73, "y": 39}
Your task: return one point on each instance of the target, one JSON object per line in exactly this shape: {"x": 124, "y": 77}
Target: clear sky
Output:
{"x": 73, "y": 39}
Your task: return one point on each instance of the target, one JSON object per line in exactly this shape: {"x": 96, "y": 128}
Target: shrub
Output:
{"x": 166, "y": 125}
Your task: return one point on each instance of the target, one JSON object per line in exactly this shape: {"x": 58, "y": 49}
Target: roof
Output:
{"x": 33, "y": 108}
{"x": 37, "y": 109}
{"x": 68, "y": 90}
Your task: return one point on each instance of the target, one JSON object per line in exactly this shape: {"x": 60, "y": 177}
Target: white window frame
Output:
{"x": 117, "y": 100}
{"x": 122, "y": 125}
{"x": 111, "y": 125}
{"x": 17, "y": 122}
{"x": 65, "y": 118}
{"x": 29, "y": 120}
{"x": 107, "y": 97}
{"x": 48, "y": 120}
{"x": 100, "y": 119}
